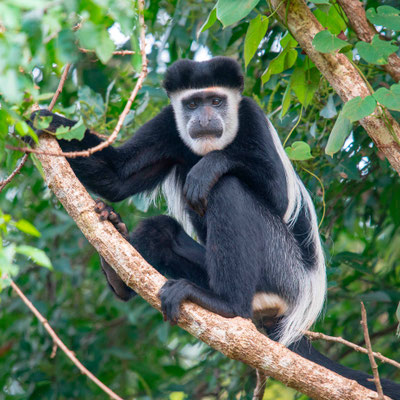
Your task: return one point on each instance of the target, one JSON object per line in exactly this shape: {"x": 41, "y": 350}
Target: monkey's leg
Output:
{"x": 167, "y": 247}
{"x": 163, "y": 243}
{"x": 234, "y": 255}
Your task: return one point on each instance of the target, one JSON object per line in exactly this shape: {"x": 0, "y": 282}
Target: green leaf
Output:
{"x": 386, "y": 16}
{"x": 177, "y": 396}
{"x": 10, "y": 86}
{"x": 320, "y": 1}
{"x": 286, "y": 101}
{"x": 231, "y": 11}
{"x": 340, "y": 131}
{"x": 66, "y": 46}
{"x": 105, "y": 47}
{"x": 38, "y": 256}
{"x": 89, "y": 35}
{"x": 255, "y": 33}
{"x": 299, "y": 151}
{"x": 31, "y": 4}
{"x": 304, "y": 84}
{"x": 389, "y": 98}
{"x": 325, "y": 42}
{"x": 331, "y": 20}
{"x": 41, "y": 122}
{"x": 136, "y": 59}
{"x": 376, "y": 52}
{"x": 288, "y": 41}
{"x": 26, "y": 227}
{"x": 210, "y": 21}
{"x": 358, "y": 108}
{"x": 76, "y": 132}
{"x": 283, "y": 61}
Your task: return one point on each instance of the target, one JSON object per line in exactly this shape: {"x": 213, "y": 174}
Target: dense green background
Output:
{"x": 127, "y": 345}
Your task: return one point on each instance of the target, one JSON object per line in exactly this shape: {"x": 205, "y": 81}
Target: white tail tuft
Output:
{"x": 312, "y": 283}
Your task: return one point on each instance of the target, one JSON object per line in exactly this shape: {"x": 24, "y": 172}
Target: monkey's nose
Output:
{"x": 206, "y": 116}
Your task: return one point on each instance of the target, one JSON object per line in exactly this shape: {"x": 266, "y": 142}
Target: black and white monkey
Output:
{"x": 226, "y": 177}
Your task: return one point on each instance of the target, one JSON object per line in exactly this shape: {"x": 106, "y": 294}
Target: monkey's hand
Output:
{"x": 196, "y": 189}
{"x": 107, "y": 213}
{"x": 38, "y": 122}
{"x": 203, "y": 176}
{"x": 117, "y": 285}
{"x": 172, "y": 295}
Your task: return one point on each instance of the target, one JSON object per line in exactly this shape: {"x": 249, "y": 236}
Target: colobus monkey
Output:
{"x": 226, "y": 177}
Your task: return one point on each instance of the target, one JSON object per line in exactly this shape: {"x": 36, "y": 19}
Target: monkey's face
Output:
{"x": 207, "y": 119}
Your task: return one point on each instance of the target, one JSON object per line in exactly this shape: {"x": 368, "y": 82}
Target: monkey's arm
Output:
{"x": 204, "y": 175}
{"x": 139, "y": 165}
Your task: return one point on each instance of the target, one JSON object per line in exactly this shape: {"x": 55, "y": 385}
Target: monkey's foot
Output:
{"x": 107, "y": 213}
{"x": 172, "y": 294}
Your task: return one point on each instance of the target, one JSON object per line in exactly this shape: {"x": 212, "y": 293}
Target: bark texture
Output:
{"x": 365, "y": 31}
{"x": 237, "y": 338}
{"x": 341, "y": 74}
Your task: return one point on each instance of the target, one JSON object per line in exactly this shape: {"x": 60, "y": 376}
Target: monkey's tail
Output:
{"x": 305, "y": 349}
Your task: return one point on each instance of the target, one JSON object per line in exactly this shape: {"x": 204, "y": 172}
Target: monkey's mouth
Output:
{"x": 206, "y": 134}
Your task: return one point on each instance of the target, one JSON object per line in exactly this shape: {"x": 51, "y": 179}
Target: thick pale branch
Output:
{"x": 341, "y": 74}
{"x": 354, "y": 9}
{"x": 237, "y": 338}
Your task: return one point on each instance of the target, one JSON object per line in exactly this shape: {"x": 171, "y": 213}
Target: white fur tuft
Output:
{"x": 176, "y": 202}
{"x": 312, "y": 284}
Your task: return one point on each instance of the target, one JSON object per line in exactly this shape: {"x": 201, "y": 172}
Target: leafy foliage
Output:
{"x": 255, "y": 33}
{"x": 389, "y": 98}
{"x": 387, "y": 16}
{"x": 127, "y": 345}
{"x": 376, "y": 52}
{"x": 325, "y": 42}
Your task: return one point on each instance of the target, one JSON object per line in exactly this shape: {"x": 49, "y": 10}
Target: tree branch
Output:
{"x": 121, "y": 119}
{"x": 59, "y": 343}
{"x": 322, "y": 336}
{"x": 237, "y": 338}
{"x": 16, "y": 171}
{"x": 372, "y": 361}
{"x": 341, "y": 74}
{"x": 365, "y": 31}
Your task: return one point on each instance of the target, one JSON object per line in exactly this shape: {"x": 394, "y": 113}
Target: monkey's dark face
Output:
{"x": 207, "y": 119}
{"x": 204, "y": 113}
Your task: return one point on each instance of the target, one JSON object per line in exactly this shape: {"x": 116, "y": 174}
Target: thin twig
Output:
{"x": 61, "y": 344}
{"x": 372, "y": 361}
{"x": 262, "y": 378}
{"x": 376, "y": 334}
{"x": 113, "y": 136}
{"x": 116, "y": 53}
{"x": 14, "y": 173}
{"x": 322, "y": 336}
{"x": 60, "y": 86}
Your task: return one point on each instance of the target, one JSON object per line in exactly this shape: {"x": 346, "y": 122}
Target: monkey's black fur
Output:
{"x": 188, "y": 74}
{"x": 239, "y": 195}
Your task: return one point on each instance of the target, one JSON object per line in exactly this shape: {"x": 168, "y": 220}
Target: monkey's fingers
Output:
{"x": 99, "y": 206}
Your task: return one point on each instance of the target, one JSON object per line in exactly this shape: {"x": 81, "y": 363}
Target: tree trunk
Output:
{"x": 341, "y": 74}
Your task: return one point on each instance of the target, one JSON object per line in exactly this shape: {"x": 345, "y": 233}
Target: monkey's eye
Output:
{"x": 191, "y": 105}
{"x": 216, "y": 101}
